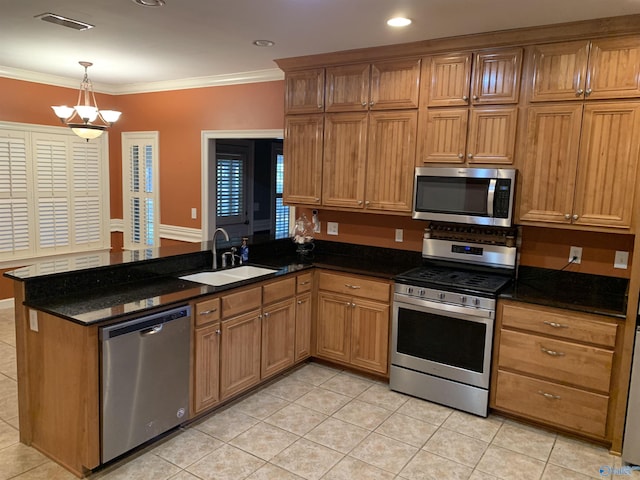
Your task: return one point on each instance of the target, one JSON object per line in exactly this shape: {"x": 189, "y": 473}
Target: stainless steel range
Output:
{"x": 444, "y": 313}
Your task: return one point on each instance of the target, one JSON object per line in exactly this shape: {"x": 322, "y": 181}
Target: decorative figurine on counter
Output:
{"x": 302, "y": 235}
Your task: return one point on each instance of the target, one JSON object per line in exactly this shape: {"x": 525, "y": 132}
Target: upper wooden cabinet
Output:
{"x": 384, "y": 85}
{"x": 304, "y": 91}
{"x": 591, "y": 70}
{"x": 303, "y": 136}
{"x": 580, "y": 164}
{"x": 481, "y": 78}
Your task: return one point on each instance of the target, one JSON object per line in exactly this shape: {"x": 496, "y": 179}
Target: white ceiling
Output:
{"x": 132, "y": 45}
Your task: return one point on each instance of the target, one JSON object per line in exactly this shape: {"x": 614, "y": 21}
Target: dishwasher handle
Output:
{"x": 151, "y": 331}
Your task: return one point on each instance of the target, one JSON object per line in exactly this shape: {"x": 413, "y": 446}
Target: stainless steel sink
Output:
{"x": 225, "y": 277}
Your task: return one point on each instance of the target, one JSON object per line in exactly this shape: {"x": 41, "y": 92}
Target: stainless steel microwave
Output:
{"x": 477, "y": 196}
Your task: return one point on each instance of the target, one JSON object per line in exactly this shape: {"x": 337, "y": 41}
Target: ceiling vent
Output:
{"x": 64, "y": 21}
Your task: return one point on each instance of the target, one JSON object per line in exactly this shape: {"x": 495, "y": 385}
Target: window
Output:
{"x": 140, "y": 190}
{"x": 231, "y": 164}
{"x": 52, "y": 192}
{"x": 282, "y": 211}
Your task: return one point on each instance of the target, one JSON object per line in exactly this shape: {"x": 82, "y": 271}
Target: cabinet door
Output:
{"x": 446, "y": 80}
{"x": 394, "y": 84}
{"x": 333, "y": 327}
{"x": 390, "y": 162}
{"x": 345, "y": 152}
{"x": 206, "y": 365}
{"x": 549, "y": 163}
{"x": 558, "y": 71}
{"x": 614, "y": 64}
{"x": 443, "y": 135}
{"x": 496, "y": 76}
{"x": 348, "y": 88}
{"x": 492, "y": 135}
{"x": 278, "y": 337}
{"x": 303, "y": 154}
{"x": 370, "y": 335}
{"x": 608, "y": 163}
{"x": 304, "y": 91}
{"x": 239, "y": 354}
{"x": 303, "y": 327}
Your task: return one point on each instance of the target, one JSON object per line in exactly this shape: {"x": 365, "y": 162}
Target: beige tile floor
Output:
{"x": 322, "y": 423}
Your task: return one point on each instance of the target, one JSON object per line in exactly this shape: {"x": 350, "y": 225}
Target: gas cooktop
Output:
{"x": 455, "y": 279}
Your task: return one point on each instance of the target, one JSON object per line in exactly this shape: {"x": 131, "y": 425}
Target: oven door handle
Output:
{"x": 490, "y": 195}
{"x": 465, "y": 313}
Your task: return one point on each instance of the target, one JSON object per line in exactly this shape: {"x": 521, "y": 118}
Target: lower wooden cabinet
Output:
{"x": 278, "y": 337}
{"x": 303, "y": 327}
{"x": 554, "y": 366}
{"x": 206, "y": 385}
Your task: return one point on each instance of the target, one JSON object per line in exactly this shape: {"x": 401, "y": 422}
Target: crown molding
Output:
{"x": 270, "y": 75}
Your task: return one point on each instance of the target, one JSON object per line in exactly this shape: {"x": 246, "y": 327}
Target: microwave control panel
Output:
{"x": 501, "y": 198}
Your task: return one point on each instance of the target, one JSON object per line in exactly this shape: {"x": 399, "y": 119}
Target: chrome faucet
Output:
{"x": 213, "y": 246}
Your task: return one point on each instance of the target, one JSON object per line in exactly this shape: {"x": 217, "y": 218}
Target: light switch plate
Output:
{"x": 194, "y": 213}
{"x": 399, "y": 235}
{"x": 33, "y": 320}
{"x": 332, "y": 228}
{"x": 621, "y": 260}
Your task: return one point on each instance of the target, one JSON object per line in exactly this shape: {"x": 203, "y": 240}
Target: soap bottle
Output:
{"x": 244, "y": 251}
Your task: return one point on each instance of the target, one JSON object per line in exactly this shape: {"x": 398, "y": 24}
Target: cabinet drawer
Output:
{"x": 241, "y": 301}
{"x": 207, "y": 311}
{"x": 580, "y": 365}
{"x": 272, "y": 292}
{"x": 304, "y": 282}
{"x": 356, "y": 286}
{"x": 558, "y": 405}
{"x": 570, "y": 325}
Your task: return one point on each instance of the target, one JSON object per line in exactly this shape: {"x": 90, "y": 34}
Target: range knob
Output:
{"x": 409, "y": 290}
{"x": 476, "y": 301}
{"x": 441, "y": 295}
{"x": 421, "y": 292}
{"x": 463, "y": 299}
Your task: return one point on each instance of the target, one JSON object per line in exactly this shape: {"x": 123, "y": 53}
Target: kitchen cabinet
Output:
{"x": 368, "y": 160}
{"x": 278, "y": 326}
{"x": 352, "y": 325}
{"x": 584, "y": 70}
{"x": 383, "y": 85}
{"x": 579, "y": 164}
{"x": 304, "y": 285}
{"x": 303, "y": 137}
{"x": 462, "y": 79}
{"x": 304, "y": 91}
{"x": 206, "y": 348}
{"x": 554, "y": 366}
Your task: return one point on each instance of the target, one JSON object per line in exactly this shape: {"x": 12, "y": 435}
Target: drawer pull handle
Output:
{"x": 352, "y": 286}
{"x": 550, "y": 396}
{"x": 207, "y": 312}
{"x": 553, "y": 353}
{"x": 555, "y": 325}
{"x": 305, "y": 283}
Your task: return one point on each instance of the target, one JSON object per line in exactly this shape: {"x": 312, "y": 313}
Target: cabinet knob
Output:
{"x": 300, "y": 302}
{"x": 465, "y": 98}
{"x": 353, "y": 305}
{"x": 367, "y": 202}
{"x": 476, "y": 97}
{"x": 320, "y": 106}
{"x": 364, "y": 104}
{"x": 567, "y": 216}
{"x": 317, "y": 199}
{"x": 587, "y": 92}
{"x": 372, "y": 103}
{"x": 469, "y": 155}
{"x": 575, "y": 216}
{"x": 359, "y": 202}
{"x": 460, "y": 155}
{"x": 218, "y": 332}
{"x": 579, "y": 92}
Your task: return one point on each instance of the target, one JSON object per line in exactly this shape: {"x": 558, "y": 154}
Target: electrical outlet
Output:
{"x": 575, "y": 252}
{"x": 621, "y": 260}
{"x": 194, "y": 213}
{"x": 399, "y": 235}
{"x": 33, "y": 320}
{"x": 332, "y": 228}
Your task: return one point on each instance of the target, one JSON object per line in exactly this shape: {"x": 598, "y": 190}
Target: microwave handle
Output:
{"x": 490, "y": 194}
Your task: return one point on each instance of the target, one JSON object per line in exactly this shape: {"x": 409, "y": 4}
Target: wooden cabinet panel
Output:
{"x": 303, "y": 327}
{"x": 206, "y": 384}
{"x": 345, "y": 157}
{"x": 557, "y": 360}
{"x": 370, "y": 335}
{"x": 558, "y": 323}
{"x": 304, "y": 282}
{"x": 304, "y": 91}
{"x": 492, "y": 135}
{"x": 355, "y": 286}
{"x": 239, "y": 354}
{"x": 333, "y": 329}
{"x": 446, "y": 80}
{"x": 607, "y": 164}
{"x": 348, "y": 88}
{"x": 395, "y": 84}
{"x": 278, "y": 337}
{"x": 558, "y": 71}
{"x": 242, "y": 301}
{"x": 496, "y": 76}
{"x": 614, "y": 66}
{"x": 391, "y": 157}
{"x": 303, "y": 152}
{"x": 278, "y": 290}
{"x": 443, "y": 135}
{"x": 549, "y": 163}
{"x": 207, "y": 311}
{"x": 567, "y": 407}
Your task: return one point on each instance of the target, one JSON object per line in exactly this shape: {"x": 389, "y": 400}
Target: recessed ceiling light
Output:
{"x": 399, "y": 22}
{"x": 264, "y": 43}
{"x": 149, "y": 3}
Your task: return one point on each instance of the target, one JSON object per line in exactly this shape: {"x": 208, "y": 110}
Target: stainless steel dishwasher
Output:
{"x": 145, "y": 379}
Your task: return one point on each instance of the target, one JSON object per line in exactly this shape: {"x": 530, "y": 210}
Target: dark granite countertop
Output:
{"x": 574, "y": 291}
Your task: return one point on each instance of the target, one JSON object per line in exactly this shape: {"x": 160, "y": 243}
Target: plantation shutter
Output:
{"x": 230, "y": 194}
{"x": 87, "y": 218}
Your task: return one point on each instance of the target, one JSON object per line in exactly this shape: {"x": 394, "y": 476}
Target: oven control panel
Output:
{"x": 444, "y": 296}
